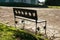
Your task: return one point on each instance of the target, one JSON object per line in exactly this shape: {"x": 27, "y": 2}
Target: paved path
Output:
{"x": 52, "y": 16}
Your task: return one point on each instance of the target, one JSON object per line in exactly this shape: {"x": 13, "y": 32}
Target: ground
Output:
{"x": 48, "y": 14}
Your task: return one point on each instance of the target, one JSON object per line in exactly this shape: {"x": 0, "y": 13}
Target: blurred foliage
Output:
{"x": 11, "y": 33}
{"x": 53, "y": 2}
{"x": 18, "y": 4}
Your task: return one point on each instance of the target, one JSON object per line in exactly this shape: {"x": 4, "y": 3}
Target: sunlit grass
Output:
{"x": 54, "y": 7}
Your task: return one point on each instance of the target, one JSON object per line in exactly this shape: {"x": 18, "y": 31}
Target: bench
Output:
{"x": 27, "y": 14}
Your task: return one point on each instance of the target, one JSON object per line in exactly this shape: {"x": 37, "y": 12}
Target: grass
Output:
{"x": 11, "y": 33}
{"x": 5, "y": 33}
{"x": 54, "y": 7}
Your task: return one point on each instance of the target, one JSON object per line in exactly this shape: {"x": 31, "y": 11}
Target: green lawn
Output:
{"x": 54, "y": 7}
{"x": 11, "y": 33}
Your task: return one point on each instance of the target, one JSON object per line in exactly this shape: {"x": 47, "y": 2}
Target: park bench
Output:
{"x": 27, "y": 14}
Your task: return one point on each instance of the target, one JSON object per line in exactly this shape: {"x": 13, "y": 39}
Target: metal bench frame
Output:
{"x": 27, "y": 13}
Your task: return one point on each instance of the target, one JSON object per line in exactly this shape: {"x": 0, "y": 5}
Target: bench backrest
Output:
{"x": 27, "y": 13}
